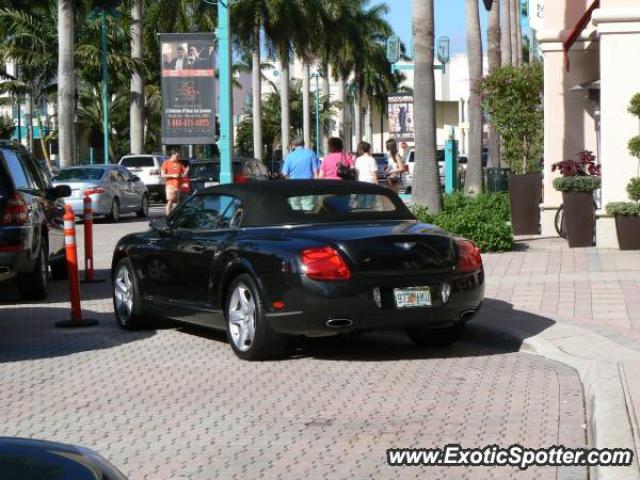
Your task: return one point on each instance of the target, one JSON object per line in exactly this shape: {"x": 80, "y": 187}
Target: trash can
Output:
{"x": 497, "y": 180}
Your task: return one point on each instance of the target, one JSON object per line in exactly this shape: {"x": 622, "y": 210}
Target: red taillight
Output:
{"x": 93, "y": 190}
{"x": 324, "y": 263}
{"x": 470, "y": 259}
{"x": 239, "y": 178}
{"x": 15, "y": 211}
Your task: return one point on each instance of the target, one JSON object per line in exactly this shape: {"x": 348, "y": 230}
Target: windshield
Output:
{"x": 80, "y": 174}
{"x": 206, "y": 170}
{"x": 137, "y": 162}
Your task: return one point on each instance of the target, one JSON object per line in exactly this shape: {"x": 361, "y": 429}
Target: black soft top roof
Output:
{"x": 265, "y": 203}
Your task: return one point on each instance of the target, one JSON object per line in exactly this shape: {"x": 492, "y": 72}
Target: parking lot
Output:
{"x": 176, "y": 403}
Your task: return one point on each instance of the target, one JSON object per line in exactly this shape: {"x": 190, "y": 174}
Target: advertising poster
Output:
{"x": 400, "y": 115}
{"x": 188, "y": 113}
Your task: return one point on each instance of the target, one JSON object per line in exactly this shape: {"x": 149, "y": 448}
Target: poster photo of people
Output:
{"x": 188, "y": 108}
{"x": 400, "y": 115}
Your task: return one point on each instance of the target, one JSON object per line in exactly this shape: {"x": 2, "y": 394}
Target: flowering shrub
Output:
{"x": 585, "y": 165}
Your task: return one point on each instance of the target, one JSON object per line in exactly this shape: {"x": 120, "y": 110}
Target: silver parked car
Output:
{"x": 113, "y": 189}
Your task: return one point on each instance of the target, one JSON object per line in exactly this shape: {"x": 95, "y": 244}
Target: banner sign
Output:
{"x": 187, "y": 65}
{"x": 400, "y": 115}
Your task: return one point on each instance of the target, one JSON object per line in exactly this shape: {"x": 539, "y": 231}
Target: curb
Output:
{"x": 600, "y": 362}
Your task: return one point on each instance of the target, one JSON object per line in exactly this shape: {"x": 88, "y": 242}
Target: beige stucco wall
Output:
{"x": 569, "y": 123}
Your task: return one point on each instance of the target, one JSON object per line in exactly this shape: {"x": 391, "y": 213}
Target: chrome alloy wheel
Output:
{"x": 123, "y": 293}
{"x": 241, "y": 313}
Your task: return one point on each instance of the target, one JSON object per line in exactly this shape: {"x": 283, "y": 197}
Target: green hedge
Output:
{"x": 626, "y": 209}
{"x": 578, "y": 184}
{"x": 482, "y": 219}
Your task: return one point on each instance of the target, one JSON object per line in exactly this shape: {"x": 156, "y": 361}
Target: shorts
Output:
{"x": 172, "y": 193}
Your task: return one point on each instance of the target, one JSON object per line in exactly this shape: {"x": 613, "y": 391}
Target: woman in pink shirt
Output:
{"x": 336, "y": 156}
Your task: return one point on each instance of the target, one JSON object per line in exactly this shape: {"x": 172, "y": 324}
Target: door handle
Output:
{"x": 198, "y": 248}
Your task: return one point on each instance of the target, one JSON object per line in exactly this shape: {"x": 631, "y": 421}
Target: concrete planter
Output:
{"x": 628, "y": 230}
{"x": 579, "y": 218}
{"x": 525, "y": 192}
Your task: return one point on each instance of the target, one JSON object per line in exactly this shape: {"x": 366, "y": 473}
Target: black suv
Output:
{"x": 31, "y": 223}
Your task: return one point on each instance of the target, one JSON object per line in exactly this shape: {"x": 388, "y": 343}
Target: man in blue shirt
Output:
{"x": 301, "y": 163}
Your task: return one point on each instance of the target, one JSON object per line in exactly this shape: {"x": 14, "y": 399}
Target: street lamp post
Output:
{"x": 226, "y": 100}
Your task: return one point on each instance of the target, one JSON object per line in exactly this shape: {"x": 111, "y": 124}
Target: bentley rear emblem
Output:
{"x": 406, "y": 245}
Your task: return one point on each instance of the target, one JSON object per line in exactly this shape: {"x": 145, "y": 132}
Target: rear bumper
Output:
{"x": 101, "y": 204}
{"x": 155, "y": 188}
{"x": 309, "y": 305}
{"x": 15, "y": 251}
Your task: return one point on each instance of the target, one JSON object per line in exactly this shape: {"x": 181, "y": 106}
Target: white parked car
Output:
{"x": 148, "y": 168}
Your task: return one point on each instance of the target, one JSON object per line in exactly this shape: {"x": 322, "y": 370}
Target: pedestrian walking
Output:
{"x": 301, "y": 163}
{"x": 395, "y": 166}
{"x": 366, "y": 166}
{"x": 173, "y": 170}
{"x": 337, "y": 160}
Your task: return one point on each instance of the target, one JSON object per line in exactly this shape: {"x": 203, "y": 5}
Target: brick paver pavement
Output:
{"x": 175, "y": 403}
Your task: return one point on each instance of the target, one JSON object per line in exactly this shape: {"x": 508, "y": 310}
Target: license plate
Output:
{"x": 210, "y": 184}
{"x": 412, "y": 297}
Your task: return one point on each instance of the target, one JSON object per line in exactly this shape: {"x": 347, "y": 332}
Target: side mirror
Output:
{"x": 159, "y": 225}
{"x": 59, "y": 191}
{"x": 136, "y": 178}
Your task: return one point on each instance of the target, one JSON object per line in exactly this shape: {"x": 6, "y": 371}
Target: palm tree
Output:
{"x": 136, "y": 112}
{"x": 495, "y": 59}
{"x": 473, "y": 177}
{"x": 426, "y": 181}
{"x": 30, "y": 40}
{"x": 66, "y": 83}
{"x": 247, "y": 17}
{"x": 519, "y": 30}
{"x": 514, "y": 31}
{"x": 505, "y": 31}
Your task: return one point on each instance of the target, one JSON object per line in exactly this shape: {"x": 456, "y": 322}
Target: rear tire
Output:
{"x": 436, "y": 337}
{"x": 33, "y": 285}
{"x": 248, "y": 331}
{"x": 59, "y": 269}
{"x": 144, "y": 208}
{"x": 114, "y": 215}
{"x": 127, "y": 301}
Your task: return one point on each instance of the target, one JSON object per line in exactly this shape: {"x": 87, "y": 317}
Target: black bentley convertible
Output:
{"x": 266, "y": 261}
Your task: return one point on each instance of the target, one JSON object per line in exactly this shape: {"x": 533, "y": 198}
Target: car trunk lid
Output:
{"x": 391, "y": 248}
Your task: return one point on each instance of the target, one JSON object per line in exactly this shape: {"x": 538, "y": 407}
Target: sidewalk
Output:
{"x": 593, "y": 297}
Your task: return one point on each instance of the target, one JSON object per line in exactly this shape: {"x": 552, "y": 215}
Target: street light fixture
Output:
{"x": 317, "y": 76}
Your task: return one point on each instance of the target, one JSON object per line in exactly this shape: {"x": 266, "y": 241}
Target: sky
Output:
{"x": 449, "y": 19}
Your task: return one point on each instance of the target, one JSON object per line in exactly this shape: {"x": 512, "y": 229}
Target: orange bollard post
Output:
{"x": 89, "y": 273}
{"x": 72, "y": 269}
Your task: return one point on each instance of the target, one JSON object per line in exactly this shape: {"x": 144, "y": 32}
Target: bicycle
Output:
{"x": 559, "y": 224}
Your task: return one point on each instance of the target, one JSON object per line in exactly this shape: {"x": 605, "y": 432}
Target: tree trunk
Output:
{"x": 426, "y": 181}
{"x": 514, "y": 32}
{"x": 43, "y": 142}
{"x": 342, "y": 111}
{"x": 284, "y": 103}
{"x": 519, "y": 31}
{"x": 494, "y": 64}
{"x": 30, "y": 122}
{"x": 473, "y": 176}
{"x": 326, "y": 95}
{"x": 357, "y": 116}
{"x": 505, "y": 31}
{"x": 66, "y": 84}
{"x": 368, "y": 122}
{"x": 306, "y": 105}
{"x": 136, "y": 109}
{"x": 256, "y": 84}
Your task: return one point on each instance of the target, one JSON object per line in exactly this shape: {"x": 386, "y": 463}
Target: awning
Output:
{"x": 577, "y": 30}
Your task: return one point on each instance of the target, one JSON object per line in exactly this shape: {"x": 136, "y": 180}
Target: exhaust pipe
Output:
{"x": 339, "y": 323}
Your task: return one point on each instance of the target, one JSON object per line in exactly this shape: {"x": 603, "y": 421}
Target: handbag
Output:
{"x": 344, "y": 171}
